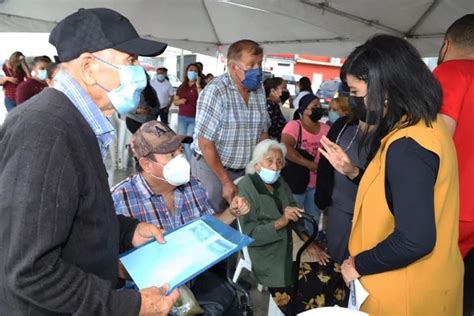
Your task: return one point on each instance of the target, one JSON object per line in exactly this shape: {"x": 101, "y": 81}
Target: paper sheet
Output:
{"x": 357, "y": 295}
{"x": 188, "y": 251}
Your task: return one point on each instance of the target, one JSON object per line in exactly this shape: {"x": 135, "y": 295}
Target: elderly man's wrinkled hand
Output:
{"x": 155, "y": 302}
{"x": 229, "y": 191}
{"x": 239, "y": 206}
{"x": 144, "y": 232}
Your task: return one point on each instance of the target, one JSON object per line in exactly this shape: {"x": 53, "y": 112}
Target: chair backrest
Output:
{"x": 245, "y": 250}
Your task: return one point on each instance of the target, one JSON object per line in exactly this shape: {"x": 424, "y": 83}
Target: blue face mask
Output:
{"x": 268, "y": 176}
{"x": 192, "y": 75}
{"x": 132, "y": 82}
{"x": 333, "y": 116}
{"x": 253, "y": 78}
{"x": 160, "y": 77}
{"x": 42, "y": 74}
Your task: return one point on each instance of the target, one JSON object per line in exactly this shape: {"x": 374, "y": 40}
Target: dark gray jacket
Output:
{"x": 59, "y": 235}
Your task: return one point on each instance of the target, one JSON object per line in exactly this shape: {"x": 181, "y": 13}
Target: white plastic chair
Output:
{"x": 244, "y": 258}
{"x": 244, "y": 263}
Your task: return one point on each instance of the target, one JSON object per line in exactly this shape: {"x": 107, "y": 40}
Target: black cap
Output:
{"x": 92, "y": 30}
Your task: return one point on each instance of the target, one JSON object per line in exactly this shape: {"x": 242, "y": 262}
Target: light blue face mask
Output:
{"x": 160, "y": 77}
{"x": 42, "y": 74}
{"x": 268, "y": 176}
{"x": 333, "y": 116}
{"x": 132, "y": 82}
{"x": 192, "y": 75}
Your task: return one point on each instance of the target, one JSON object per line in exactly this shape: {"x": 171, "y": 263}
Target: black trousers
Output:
{"x": 132, "y": 125}
{"x": 469, "y": 284}
{"x": 163, "y": 114}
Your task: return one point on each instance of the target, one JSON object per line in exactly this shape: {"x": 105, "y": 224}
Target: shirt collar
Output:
{"x": 98, "y": 122}
{"x": 143, "y": 186}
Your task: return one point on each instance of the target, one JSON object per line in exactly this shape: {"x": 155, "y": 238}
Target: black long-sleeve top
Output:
{"x": 411, "y": 173}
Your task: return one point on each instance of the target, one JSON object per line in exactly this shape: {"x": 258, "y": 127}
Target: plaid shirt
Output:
{"x": 133, "y": 197}
{"x": 101, "y": 126}
{"x": 234, "y": 127}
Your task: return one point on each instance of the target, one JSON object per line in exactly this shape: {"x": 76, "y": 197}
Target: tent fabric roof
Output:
{"x": 333, "y": 27}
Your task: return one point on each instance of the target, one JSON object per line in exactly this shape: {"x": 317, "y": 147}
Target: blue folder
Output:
{"x": 189, "y": 250}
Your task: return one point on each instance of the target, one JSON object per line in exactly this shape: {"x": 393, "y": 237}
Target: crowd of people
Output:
{"x": 388, "y": 173}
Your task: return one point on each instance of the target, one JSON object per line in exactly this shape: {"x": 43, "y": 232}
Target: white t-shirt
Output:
{"x": 296, "y": 100}
{"x": 163, "y": 90}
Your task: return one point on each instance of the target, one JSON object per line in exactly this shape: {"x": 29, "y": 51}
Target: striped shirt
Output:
{"x": 234, "y": 127}
{"x": 98, "y": 122}
{"x": 133, "y": 197}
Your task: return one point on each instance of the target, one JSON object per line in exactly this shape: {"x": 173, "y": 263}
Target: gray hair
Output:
{"x": 261, "y": 150}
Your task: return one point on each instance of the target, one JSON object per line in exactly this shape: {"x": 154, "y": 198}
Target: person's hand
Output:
{"x": 142, "y": 110}
{"x": 239, "y": 206}
{"x": 12, "y": 80}
{"x": 338, "y": 158}
{"x": 155, "y": 301}
{"x": 292, "y": 214}
{"x": 312, "y": 166}
{"x": 179, "y": 101}
{"x": 229, "y": 190}
{"x": 144, "y": 232}
{"x": 348, "y": 270}
{"x": 318, "y": 253}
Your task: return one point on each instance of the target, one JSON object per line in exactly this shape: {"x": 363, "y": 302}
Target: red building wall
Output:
{"x": 307, "y": 70}
{"x": 304, "y": 66}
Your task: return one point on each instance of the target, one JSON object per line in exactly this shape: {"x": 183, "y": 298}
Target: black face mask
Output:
{"x": 285, "y": 95}
{"x": 316, "y": 114}
{"x": 360, "y": 111}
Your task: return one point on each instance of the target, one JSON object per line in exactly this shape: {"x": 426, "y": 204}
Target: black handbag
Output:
{"x": 297, "y": 176}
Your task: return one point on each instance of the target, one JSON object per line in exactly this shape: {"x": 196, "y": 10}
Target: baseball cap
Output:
{"x": 156, "y": 137}
{"x": 92, "y": 30}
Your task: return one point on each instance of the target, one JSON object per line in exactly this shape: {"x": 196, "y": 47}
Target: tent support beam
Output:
{"x": 324, "y": 6}
{"x": 204, "y": 5}
{"x": 424, "y": 16}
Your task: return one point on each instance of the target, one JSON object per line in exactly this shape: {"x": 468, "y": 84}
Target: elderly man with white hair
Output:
{"x": 273, "y": 213}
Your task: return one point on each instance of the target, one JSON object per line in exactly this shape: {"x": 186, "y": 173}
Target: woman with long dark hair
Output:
{"x": 186, "y": 99}
{"x": 403, "y": 242}
{"x": 273, "y": 91}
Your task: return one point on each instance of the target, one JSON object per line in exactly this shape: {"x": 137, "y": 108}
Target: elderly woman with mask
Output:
{"x": 273, "y": 214}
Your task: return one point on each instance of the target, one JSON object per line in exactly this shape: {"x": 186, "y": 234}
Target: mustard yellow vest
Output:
{"x": 433, "y": 285}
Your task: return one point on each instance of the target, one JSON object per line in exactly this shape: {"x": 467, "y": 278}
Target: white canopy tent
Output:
{"x": 332, "y": 27}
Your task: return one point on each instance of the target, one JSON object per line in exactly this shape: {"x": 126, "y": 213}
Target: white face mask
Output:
{"x": 176, "y": 172}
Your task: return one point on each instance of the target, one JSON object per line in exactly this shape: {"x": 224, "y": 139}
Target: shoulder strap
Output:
{"x": 298, "y": 142}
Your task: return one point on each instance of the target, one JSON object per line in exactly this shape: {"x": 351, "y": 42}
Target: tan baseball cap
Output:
{"x": 156, "y": 137}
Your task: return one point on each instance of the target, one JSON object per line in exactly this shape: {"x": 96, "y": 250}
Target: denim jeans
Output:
{"x": 306, "y": 202}
{"x": 186, "y": 127}
{"x": 9, "y": 104}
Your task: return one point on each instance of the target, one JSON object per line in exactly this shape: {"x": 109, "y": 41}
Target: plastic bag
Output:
{"x": 186, "y": 304}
